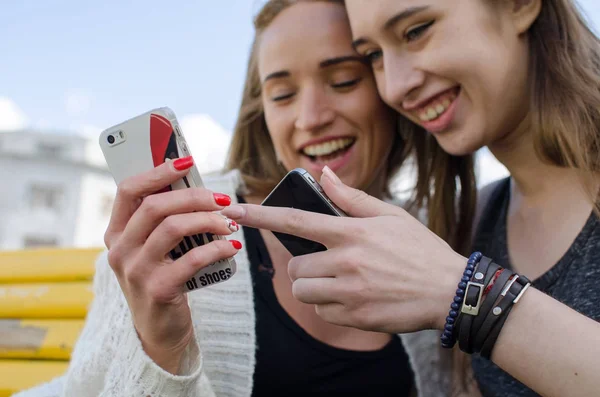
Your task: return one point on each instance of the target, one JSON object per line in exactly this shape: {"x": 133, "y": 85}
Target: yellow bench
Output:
{"x": 44, "y": 297}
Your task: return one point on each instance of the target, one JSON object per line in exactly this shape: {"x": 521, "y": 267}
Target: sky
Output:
{"x": 81, "y": 66}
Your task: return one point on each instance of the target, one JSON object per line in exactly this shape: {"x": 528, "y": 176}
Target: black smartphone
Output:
{"x": 298, "y": 189}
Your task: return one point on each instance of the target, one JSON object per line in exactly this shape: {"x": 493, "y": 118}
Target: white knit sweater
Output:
{"x": 108, "y": 359}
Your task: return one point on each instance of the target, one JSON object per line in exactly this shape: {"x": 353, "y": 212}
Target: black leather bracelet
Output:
{"x": 518, "y": 289}
{"x": 448, "y": 337}
{"x": 508, "y": 294}
{"x": 490, "y": 300}
{"x": 472, "y": 303}
{"x": 467, "y": 335}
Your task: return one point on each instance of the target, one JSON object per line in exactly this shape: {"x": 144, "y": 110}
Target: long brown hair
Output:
{"x": 445, "y": 184}
{"x": 565, "y": 108}
{"x": 565, "y": 87}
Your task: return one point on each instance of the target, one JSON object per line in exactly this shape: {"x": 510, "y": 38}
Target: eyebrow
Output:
{"x": 324, "y": 64}
{"x": 277, "y": 75}
{"x": 337, "y": 60}
{"x": 409, "y": 12}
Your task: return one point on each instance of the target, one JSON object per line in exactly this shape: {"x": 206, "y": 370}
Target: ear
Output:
{"x": 524, "y": 13}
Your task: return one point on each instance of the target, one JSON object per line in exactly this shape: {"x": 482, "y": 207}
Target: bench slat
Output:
{"x": 19, "y": 375}
{"x": 52, "y": 300}
{"x": 39, "y": 339}
{"x": 44, "y": 265}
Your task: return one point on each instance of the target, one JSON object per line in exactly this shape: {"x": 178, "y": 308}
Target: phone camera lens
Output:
{"x": 111, "y": 139}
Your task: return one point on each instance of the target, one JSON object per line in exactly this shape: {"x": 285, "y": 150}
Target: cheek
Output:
{"x": 280, "y": 129}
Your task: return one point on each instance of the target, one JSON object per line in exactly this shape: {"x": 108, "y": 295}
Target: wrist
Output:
{"x": 167, "y": 357}
{"x": 447, "y": 288}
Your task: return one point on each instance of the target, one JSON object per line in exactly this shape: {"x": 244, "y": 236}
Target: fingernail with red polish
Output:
{"x": 183, "y": 163}
{"x": 222, "y": 199}
{"x": 236, "y": 244}
{"x": 232, "y": 225}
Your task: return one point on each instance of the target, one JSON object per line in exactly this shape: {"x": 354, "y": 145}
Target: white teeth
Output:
{"x": 325, "y": 148}
{"x": 435, "y": 111}
{"x": 431, "y": 113}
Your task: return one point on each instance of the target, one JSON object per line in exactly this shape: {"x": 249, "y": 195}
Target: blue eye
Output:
{"x": 417, "y": 31}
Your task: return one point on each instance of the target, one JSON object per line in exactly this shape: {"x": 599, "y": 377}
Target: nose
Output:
{"x": 402, "y": 80}
{"x": 314, "y": 109}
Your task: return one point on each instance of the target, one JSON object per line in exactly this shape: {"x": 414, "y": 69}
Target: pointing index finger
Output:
{"x": 325, "y": 229}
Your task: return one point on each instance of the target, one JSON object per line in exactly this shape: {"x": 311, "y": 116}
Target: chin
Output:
{"x": 458, "y": 143}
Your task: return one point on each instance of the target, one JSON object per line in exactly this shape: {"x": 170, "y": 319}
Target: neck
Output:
{"x": 533, "y": 179}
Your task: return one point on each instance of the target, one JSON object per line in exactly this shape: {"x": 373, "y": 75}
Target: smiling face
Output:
{"x": 320, "y": 99}
{"x": 458, "y": 68}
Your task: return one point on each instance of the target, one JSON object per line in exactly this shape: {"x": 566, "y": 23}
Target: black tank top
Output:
{"x": 290, "y": 362}
{"x": 574, "y": 280}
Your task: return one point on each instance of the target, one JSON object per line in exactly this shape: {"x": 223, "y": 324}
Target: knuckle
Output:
{"x": 131, "y": 275}
{"x": 156, "y": 177}
{"x": 218, "y": 223}
{"x": 156, "y": 291}
{"x": 357, "y": 229}
{"x": 151, "y": 207}
{"x": 293, "y": 268}
{"x": 350, "y": 260}
{"x": 127, "y": 189}
{"x": 114, "y": 258}
{"x": 294, "y": 221}
{"x": 172, "y": 226}
{"x": 357, "y": 199}
{"x": 197, "y": 256}
{"x": 200, "y": 256}
{"x": 108, "y": 237}
{"x": 199, "y": 195}
{"x": 299, "y": 290}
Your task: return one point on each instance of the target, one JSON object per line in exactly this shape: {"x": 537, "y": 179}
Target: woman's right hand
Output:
{"x": 143, "y": 228}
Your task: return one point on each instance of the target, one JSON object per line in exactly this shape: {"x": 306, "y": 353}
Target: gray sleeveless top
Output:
{"x": 574, "y": 281}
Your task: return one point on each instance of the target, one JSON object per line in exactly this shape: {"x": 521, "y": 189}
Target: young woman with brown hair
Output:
{"x": 309, "y": 100}
{"x": 521, "y": 77}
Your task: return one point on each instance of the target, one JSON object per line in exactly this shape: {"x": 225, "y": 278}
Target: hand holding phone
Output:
{"x": 162, "y": 211}
{"x": 144, "y": 142}
{"x": 298, "y": 189}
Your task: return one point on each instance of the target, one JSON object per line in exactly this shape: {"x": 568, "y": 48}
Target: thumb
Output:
{"x": 353, "y": 202}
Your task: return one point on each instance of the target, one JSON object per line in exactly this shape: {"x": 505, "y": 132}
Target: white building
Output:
{"x": 56, "y": 190}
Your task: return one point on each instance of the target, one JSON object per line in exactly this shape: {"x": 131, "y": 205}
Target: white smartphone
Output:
{"x": 144, "y": 142}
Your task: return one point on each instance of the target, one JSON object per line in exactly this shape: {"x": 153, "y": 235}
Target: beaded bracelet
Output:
{"x": 448, "y": 337}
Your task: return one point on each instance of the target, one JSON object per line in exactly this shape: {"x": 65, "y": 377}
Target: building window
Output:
{"x": 35, "y": 242}
{"x": 47, "y": 197}
{"x": 47, "y": 149}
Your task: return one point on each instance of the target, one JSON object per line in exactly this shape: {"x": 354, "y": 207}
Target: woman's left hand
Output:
{"x": 383, "y": 270}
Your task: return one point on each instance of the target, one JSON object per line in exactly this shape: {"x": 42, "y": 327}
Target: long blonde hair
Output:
{"x": 445, "y": 184}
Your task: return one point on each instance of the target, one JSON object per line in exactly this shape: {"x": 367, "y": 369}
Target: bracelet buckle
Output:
{"x": 473, "y": 310}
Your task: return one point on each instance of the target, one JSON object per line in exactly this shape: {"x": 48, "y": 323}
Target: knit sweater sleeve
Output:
{"x": 109, "y": 361}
